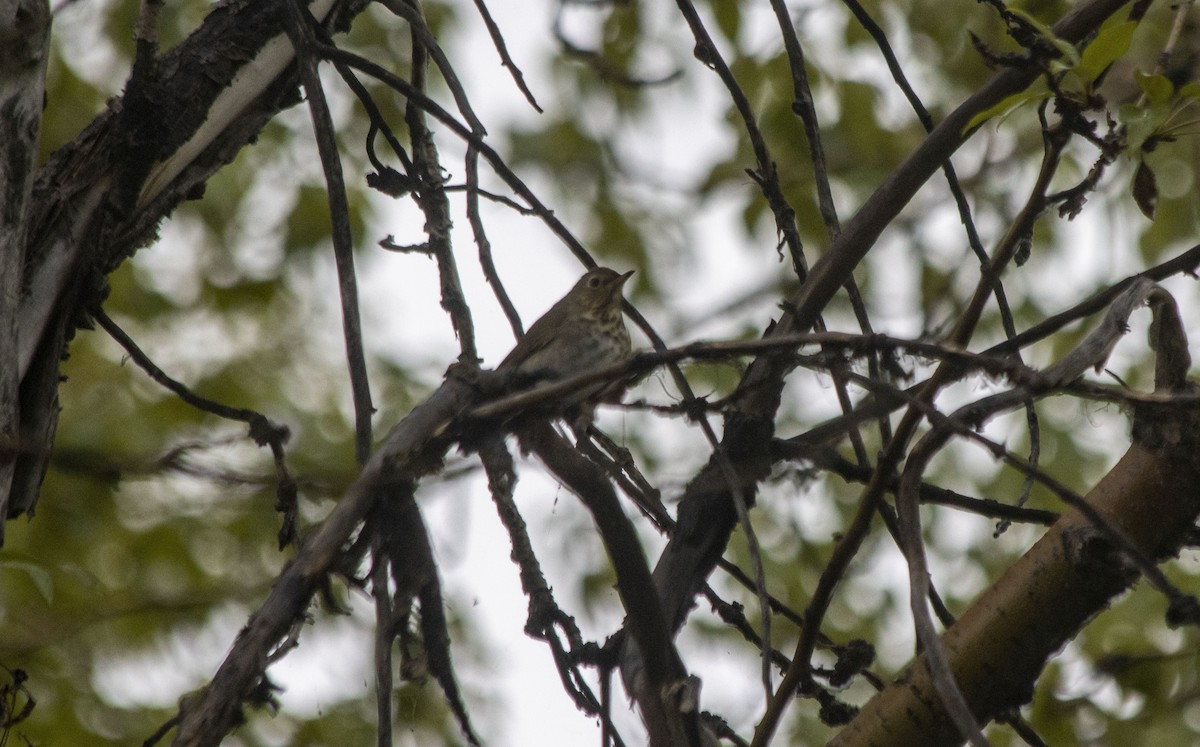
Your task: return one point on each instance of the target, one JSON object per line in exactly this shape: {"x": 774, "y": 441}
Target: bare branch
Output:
{"x": 505, "y": 59}
{"x": 413, "y": 448}
{"x": 24, "y": 37}
{"x": 264, "y": 431}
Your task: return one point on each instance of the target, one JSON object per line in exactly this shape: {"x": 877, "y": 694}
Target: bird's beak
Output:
{"x": 625, "y": 277}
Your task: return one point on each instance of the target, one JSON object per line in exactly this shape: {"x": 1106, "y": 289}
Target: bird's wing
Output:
{"x": 533, "y": 342}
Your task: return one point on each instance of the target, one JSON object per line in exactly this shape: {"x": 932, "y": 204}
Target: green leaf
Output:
{"x": 38, "y": 575}
{"x": 1190, "y": 90}
{"x": 729, "y": 19}
{"x": 1004, "y": 106}
{"x": 308, "y": 223}
{"x": 1108, "y": 47}
{"x": 1140, "y": 123}
{"x": 86, "y": 578}
{"x": 1158, "y": 88}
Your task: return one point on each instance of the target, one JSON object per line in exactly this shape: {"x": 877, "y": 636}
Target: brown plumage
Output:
{"x": 582, "y": 331}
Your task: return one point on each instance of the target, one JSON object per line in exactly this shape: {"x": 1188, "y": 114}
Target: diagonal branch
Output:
{"x": 706, "y": 515}
{"x": 993, "y": 653}
{"x": 101, "y": 197}
{"x": 670, "y": 712}
{"x": 413, "y": 448}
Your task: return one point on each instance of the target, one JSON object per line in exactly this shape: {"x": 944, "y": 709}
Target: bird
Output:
{"x": 582, "y": 331}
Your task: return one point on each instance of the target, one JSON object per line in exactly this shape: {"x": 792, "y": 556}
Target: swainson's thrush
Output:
{"x": 581, "y": 332}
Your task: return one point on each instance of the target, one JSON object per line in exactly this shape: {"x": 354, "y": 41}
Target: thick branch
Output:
{"x": 670, "y": 722}
{"x": 101, "y": 197}
{"x": 413, "y": 448}
{"x": 987, "y": 662}
{"x": 1002, "y": 642}
{"x": 706, "y": 513}
{"x": 24, "y": 40}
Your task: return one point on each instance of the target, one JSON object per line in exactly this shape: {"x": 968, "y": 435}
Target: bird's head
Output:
{"x": 600, "y": 289}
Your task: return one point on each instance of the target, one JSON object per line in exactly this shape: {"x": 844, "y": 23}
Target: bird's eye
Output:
{"x": 594, "y": 281}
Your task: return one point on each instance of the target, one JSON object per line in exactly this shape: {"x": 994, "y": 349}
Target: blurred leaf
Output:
{"x": 1190, "y": 90}
{"x": 308, "y": 224}
{"x": 1157, "y": 88}
{"x": 71, "y": 103}
{"x": 1145, "y": 190}
{"x": 729, "y": 19}
{"x": 37, "y": 574}
{"x": 1005, "y": 106}
{"x": 560, "y": 147}
{"x": 82, "y": 575}
{"x": 1109, "y": 46}
{"x": 1140, "y": 123}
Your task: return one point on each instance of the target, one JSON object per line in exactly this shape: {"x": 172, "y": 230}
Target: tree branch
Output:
{"x": 24, "y": 41}
{"x": 301, "y": 34}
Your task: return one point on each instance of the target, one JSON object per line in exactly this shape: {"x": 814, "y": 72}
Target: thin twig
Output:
{"x": 645, "y": 621}
{"x": 831, "y": 431}
{"x": 502, "y": 50}
{"x": 485, "y": 246}
{"x": 263, "y": 431}
{"x": 536, "y": 206}
{"x": 785, "y": 222}
{"x": 299, "y": 29}
{"x": 960, "y": 200}
{"x": 765, "y": 175}
{"x": 427, "y": 170}
{"x": 963, "y": 206}
{"x": 545, "y": 617}
{"x": 423, "y": 39}
{"x": 379, "y": 123}
{"x": 803, "y": 107}
{"x": 929, "y": 493}
{"x": 492, "y": 196}
{"x": 603, "y": 68}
